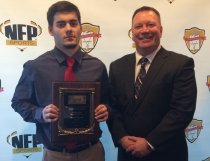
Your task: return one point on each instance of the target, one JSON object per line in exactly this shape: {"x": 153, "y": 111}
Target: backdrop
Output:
{"x": 24, "y": 35}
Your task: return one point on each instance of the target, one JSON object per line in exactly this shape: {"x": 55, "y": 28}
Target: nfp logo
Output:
{"x": 25, "y": 143}
{"x": 194, "y": 38}
{"x": 193, "y": 130}
{"x": 20, "y": 34}
{"x": 89, "y": 37}
{"x": 207, "y": 159}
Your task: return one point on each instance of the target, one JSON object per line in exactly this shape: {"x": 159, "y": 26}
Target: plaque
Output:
{"x": 76, "y": 102}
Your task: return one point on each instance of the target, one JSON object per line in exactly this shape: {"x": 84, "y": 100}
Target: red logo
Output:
{"x": 208, "y": 82}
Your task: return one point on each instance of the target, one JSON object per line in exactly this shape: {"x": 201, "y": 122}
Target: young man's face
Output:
{"x": 66, "y": 30}
{"x": 146, "y": 31}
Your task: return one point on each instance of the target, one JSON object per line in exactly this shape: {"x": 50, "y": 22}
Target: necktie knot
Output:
{"x": 70, "y": 62}
{"x": 143, "y": 61}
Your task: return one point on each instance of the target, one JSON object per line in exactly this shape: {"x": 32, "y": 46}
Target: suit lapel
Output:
{"x": 152, "y": 73}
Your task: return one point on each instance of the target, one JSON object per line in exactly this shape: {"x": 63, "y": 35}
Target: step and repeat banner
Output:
{"x": 106, "y": 23}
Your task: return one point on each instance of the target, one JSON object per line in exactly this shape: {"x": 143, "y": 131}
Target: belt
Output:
{"x": 79, "y": 147}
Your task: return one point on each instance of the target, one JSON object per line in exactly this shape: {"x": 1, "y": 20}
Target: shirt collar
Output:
{"x": 150, "y": 56}
{"x": 61, "y": 57}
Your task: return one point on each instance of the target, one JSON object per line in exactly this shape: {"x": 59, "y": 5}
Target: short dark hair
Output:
{"x": 62, "y": 6}
{"x": 146, "y": 8}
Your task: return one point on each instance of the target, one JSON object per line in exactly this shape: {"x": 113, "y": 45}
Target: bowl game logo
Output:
{"x": 20, "y": 34}
{"x": 1, "y": 88}
{"x": 208, "y": 82}
{"x": 130, "y": 36}
{"x": 89, "y": 37}
{"x": 194, "y": 38}
{"x": 193, "y": 130}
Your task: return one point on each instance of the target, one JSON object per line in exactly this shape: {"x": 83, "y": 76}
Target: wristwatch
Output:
{"x": 150, "y": 147}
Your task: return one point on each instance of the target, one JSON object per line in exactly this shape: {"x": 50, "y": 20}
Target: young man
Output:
{"x": 153, "y": 96}
{"x": 33, "y": 95}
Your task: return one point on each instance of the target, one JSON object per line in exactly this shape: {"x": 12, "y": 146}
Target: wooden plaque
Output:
{"x": 76, "y": 102}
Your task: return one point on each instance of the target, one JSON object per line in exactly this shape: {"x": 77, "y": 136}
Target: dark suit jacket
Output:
{"x": 164, "y": 109}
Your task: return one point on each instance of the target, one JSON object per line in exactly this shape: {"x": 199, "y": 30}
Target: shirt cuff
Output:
{"x": 38, "y": 115}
